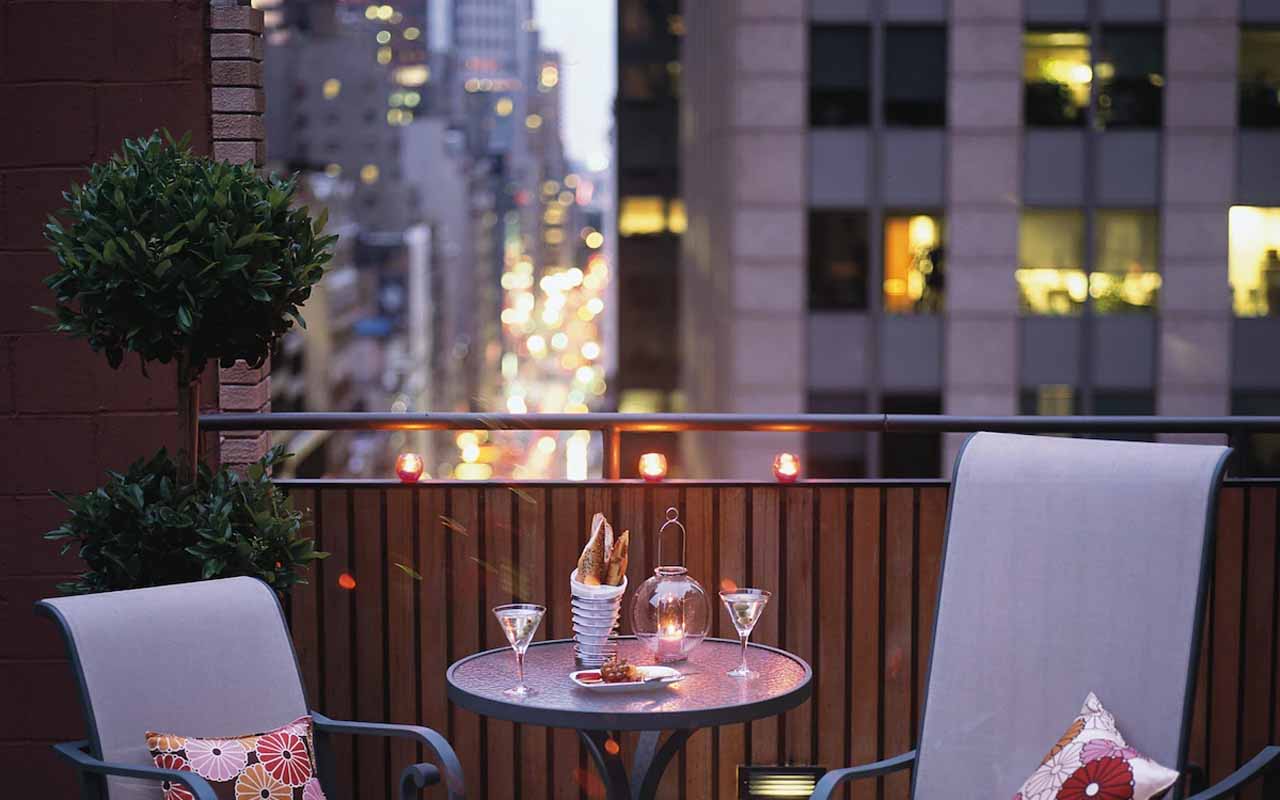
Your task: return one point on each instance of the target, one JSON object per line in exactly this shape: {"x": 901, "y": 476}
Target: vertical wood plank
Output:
{"x": 631, "y": 516}
{"x": 304, "y": 600}
{"x": 832, "y": 670}
{"x": 766, "y": 574}
{"x": 339, "y": 636}
{"x": 465, "y": 625}
{"x": 797, "y": 611}
{"x": 731, "y": 739}
{"x": 531, "y": 588}
{"x": 568, "y": 535}
{"x": 664, "y": 497}
{"x": 1259, "y": 633}
{"x": 1225, "y": 662}
{"x": 434, "y": 606}
{"x": 371, "y": 679}
{"x": 632, "y": 512}
{"x": 899, "y": 599}
{"x": 498, "y": 571}
{"x": 932, "y": 526}
{"x": 699, "y": 515}
{"x": 402, "y": 650}
{"x": 865, "y": 642}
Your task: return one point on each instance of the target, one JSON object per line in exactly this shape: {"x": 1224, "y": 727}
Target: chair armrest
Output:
{"x": 436, "y": 744}
{"x": 836, "y": 777}
{"x": 1266, "y": 765}
{"x": 83, "y": 762}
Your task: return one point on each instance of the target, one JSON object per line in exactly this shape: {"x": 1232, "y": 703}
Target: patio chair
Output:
{"x": 203, "y": 659}
{"x": 1070, "y": 566}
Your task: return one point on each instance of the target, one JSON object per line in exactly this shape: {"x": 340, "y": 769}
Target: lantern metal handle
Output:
{"x": 673, "y": 518}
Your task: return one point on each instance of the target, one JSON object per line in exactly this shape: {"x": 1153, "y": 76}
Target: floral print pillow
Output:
{"x": 276, "y": 765}
{"x": 1092, "y": 761}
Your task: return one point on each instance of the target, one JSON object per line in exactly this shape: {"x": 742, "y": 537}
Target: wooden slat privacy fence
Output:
{"x": 854, "y": 569}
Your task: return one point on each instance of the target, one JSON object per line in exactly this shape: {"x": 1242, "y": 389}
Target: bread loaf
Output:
{"x": 593, "y": 563}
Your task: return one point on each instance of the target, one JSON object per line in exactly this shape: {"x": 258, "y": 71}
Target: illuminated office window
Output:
{"x": 642, "y": 215}
{"x": 915, "y": 75}
{"x": 1048, "y": 400}
{"x": 1253, "y": 260}
{"x": 677, "y": 222}
{"x": 1126, "y": 246}
{"x": 838, "y": 260}
{"x": 1259, "y": 78}
{"x": 1056, "y": 76}
{"x": 913, "y": 263}
{"x": 1051, "y": 276}
{"x": 839, "y": 75}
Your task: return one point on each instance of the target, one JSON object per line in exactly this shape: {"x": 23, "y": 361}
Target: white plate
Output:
{"x": 634, "y": 686}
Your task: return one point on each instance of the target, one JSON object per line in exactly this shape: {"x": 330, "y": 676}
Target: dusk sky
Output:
{"x": 583, "y": 34}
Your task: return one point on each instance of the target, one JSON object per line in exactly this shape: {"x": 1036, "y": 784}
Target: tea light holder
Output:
{"x": 653, "y": 467}
{"x": 409, "y": 467}
{"x": 786, "y": 467}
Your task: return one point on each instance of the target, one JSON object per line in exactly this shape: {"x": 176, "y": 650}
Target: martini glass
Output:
{"x": 519, "y": 622}
{"x": 745, "y": 607}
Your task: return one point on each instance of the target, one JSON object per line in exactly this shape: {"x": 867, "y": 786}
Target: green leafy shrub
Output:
{"x": 147, "y": 528}
{"x": 171, "y": 255}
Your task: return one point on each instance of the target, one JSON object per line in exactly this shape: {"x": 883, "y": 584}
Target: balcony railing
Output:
{"x": 853, "y": 564}
{"x": 612, "y": 425}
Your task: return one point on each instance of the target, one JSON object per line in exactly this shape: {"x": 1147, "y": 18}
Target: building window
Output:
{"x": 1056, "y": 76}
{"x": 838, "y": 454}
{"x": 1253, "y": 260}
{"x": 839, "y": 75}
{"x": 677, "y": 222}
{"x": 838, "y": 260}
{"x": 913, "y": 264}
{"x": 1047, "y": 400}
{"x": 1125, "y": 258}
{"x": 1051, "y": 275}
{"x": 1258, "y": 455}
{"x": 1260, "y": 78}
{"x": 647, "y": 81}
{"x": 1130, "y": 73}
{"x": 915, "y": 76}
{"x": 1124, "y": 403}
{"x": 642, "y": 216}
{"x": 911, "y": 455}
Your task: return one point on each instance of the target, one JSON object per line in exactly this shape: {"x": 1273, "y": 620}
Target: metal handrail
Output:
{"x": 612, "y": 425}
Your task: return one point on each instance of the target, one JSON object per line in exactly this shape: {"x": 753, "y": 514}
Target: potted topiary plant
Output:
{"x": 180, "y": 258}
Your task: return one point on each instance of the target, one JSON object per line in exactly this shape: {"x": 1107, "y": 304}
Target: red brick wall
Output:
{"x": 75, "y": 78}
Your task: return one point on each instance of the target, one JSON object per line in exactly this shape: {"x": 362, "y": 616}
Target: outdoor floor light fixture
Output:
{"x": 761, "y": 782}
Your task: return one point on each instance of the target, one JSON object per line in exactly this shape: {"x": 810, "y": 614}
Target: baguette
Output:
{"x": 593, "y": 561}
{"x": 618, "y": 560}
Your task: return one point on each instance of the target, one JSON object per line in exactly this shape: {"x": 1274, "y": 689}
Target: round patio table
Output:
{"x": 707, "y": 697}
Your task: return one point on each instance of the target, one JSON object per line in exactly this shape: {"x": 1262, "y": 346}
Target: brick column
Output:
{"x": 239, "y": 136}
{"x": 75, "y": 79}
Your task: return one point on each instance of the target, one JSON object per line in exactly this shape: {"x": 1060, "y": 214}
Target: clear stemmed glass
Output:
{"x": 744, "y": 607}
{"x": 519, "y": 622}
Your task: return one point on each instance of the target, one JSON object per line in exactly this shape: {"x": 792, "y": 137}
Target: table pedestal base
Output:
{"x": 650, "y": 762}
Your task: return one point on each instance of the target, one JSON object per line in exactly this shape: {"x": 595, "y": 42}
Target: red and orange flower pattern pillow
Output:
{"x": 1092, "y": 761}
{"x": 276, "y": 765}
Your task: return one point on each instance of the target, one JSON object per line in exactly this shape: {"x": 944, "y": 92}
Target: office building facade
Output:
{"x": 977, "y": 207}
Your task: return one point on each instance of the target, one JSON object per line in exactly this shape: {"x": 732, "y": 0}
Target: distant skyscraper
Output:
{"x": 651, "y": 215}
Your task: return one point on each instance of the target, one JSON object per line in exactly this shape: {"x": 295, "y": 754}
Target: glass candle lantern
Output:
{"x": 670, "y": 612}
